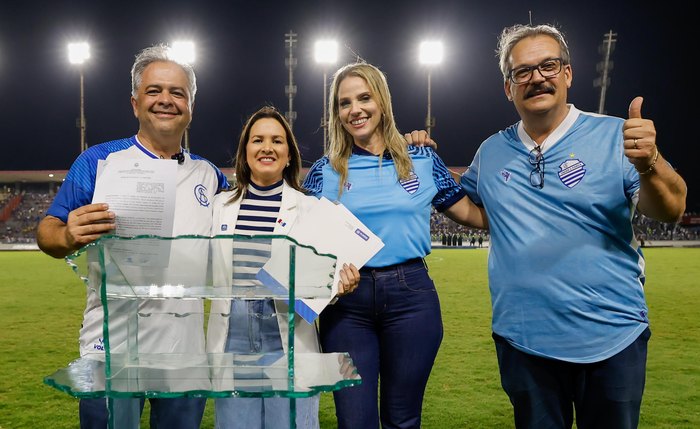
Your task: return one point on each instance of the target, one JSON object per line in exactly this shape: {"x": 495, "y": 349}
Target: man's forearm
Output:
{"x": 51, "y": 237}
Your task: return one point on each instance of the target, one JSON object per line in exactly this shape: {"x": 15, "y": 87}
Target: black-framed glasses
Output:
{"x": 547, "y": 68}
{"x": 536, "y": 159}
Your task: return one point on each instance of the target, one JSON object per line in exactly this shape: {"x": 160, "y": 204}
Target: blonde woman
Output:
{"x": 391, "y": 324}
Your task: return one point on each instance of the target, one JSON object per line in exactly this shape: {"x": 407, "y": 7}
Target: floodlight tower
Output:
{"x": 182, "y": 51}
{"x": 604, "y": 67}
{"x": 430, "y": 54}
{"x": 290, "y": 90}
{"x": 78, "y": 53}
{"x": 325, "y": 53}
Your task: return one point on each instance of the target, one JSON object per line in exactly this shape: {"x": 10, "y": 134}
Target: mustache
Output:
{"x": 542, "y": 88}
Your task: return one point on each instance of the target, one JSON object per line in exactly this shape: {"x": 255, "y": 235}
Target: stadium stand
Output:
{"x": 26, "y": 195}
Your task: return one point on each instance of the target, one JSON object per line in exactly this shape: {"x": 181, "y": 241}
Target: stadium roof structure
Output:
{"x": 32, "y": 176}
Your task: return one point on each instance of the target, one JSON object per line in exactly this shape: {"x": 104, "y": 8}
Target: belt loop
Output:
{"x": 400, "y": 272}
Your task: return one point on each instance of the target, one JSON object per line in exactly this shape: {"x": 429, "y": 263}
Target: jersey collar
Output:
{"x": 356, "y": 150}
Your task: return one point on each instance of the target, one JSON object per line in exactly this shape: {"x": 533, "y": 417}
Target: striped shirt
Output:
{"x": 257, "y": 216}
{"x": 253, "y": 326}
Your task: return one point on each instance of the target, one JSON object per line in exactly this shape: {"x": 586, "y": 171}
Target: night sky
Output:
{"x": 241, "y": 66}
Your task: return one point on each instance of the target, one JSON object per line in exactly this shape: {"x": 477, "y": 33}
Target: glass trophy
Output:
{"x": 178, "y": 315}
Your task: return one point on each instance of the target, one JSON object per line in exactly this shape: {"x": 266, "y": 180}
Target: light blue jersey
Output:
{"x": 565, "y": 273}
{"x": 397, "y": 212}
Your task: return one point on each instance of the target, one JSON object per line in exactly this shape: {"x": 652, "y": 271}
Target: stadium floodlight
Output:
{"x": 182, "y": 51}
{"x": 326, "y": 54}
{"x": 430, "y": 53}
{"x": 326, "y": 51}
{"x": 78, "y": 53}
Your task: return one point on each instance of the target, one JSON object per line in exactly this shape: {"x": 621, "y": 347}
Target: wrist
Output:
{"x": 652, "y": 166}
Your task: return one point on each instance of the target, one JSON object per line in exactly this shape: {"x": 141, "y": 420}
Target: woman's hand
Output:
{"x": 349, "y": 279}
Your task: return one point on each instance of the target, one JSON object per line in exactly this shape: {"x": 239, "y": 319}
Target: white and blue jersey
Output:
{"x": 197, "y": 182}
{"x": 204, "y": 179}
{"x": 565, "y": 271}
{"x": 396, "y": 211}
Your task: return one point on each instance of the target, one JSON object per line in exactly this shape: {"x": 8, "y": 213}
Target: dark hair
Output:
{"x": 291, "y": 173}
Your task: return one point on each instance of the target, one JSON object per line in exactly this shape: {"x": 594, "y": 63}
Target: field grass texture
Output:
{"x": 42, "y": 300}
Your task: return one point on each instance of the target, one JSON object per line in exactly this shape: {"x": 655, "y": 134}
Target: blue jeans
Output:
{"x": 176, "y": 413}
{"x": 262, "y": 413}
{"x": 253, "y": 329}
{"x": 179, "y": 413}
{"x": 544, "y": 392}
{"x": 392, "y": 327}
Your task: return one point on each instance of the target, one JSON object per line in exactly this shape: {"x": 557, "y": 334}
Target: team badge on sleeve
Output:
{"x": 571, "y": 172}
{"x": 411, "y": 184}
{"x": 200, "y": 193}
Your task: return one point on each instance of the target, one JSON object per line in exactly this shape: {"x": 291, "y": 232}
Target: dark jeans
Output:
{"x": 392, "y": 328}
{"x": 544, "y": 392}
{"x": 176, "y": 413}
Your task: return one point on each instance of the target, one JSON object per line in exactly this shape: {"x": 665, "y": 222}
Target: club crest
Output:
{"x": 411, "y": 184}
{"x": 200, "y": 193}
{"x": 571, "y": 172}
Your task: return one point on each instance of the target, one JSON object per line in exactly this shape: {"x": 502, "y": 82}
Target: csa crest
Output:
{"x": 411, "y": 184}
{"x": 571, "y": 172}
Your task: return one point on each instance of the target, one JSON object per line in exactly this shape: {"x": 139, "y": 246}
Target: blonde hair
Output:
{"x": 341, "y": 142}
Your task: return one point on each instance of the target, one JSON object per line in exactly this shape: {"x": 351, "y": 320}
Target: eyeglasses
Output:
{"x": 547, "y": 68}
{"x": 536, "y": 159}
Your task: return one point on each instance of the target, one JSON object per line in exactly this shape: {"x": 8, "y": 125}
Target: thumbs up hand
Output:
{"x": 640, "y": 139}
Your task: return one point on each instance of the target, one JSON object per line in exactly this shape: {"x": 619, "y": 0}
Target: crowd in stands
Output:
{"x": 21, "y": 211}
{"x": 647, "y": 229}
{"x": 445, "y": 232}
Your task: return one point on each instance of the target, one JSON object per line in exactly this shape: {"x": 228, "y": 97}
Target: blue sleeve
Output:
{"x": 470, "y": 178}
{"x": 221, "y": 177}
{"x": 631, "y": 176}
{"x": 78, "y": 187}
{"x": 313, "y": 182}
{"x": 223, "y": 181}
{"x": 449, "y": 192}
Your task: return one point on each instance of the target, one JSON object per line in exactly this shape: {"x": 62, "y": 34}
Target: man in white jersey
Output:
{"x": 566, "y": 274}
{"x": 162, "y": 98}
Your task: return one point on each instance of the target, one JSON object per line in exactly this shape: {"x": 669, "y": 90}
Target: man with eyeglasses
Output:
{"x": 565, "y": 271}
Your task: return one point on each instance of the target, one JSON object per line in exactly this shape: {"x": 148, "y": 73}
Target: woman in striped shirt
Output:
{"x": 267, "y": 199}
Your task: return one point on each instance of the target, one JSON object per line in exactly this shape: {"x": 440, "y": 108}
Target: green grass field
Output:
{"x": 42, "y": 301}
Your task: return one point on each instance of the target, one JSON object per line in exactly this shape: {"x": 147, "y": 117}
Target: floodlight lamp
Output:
{"x": 431, "y": 53}
{"x": 326, "y": 51}
{"x": 78, "y": 52}
{"x": 182, "y": 52}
